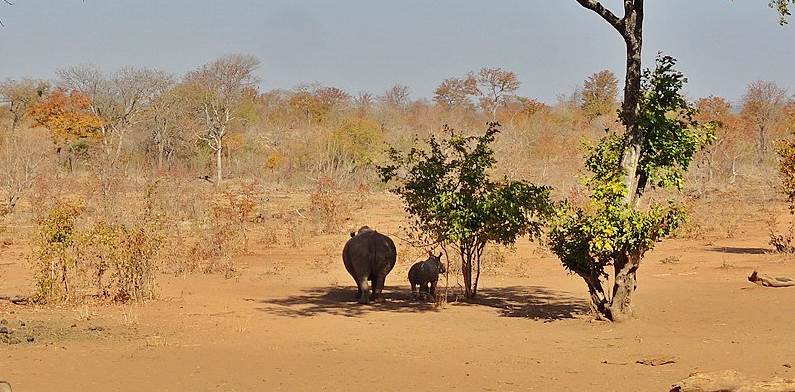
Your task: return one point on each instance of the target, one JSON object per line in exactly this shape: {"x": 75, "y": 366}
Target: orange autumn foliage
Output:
{"x": 67, "y": 116}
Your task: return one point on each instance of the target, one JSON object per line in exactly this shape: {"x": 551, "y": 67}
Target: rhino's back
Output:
{"x": 422, "y": 272}
{"x": 369, "y": 251}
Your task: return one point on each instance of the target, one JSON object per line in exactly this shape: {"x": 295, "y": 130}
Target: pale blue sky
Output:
{"x": 370, "y": 45}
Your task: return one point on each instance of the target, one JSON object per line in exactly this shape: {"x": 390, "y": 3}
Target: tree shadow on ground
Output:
{"x": 533, "y": 302}
{"x": 538, "y": 303}
{"x": 740, "y": 251}
{"x": 341, "y": 301}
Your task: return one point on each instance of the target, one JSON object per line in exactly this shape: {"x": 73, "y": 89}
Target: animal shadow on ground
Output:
{"x": 740, "y": 251}
{"x": 341, "y": 301}
{"x": 538, "y": 303}
{"x": 517, "y": 301}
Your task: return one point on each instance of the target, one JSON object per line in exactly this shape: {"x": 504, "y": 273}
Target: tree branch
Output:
{"x": 605, "y": 13}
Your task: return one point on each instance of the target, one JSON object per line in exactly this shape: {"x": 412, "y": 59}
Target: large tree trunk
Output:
{"x": 633, "y": 38}
{"x": 599, "y": 302}
{"x": 631, "y": 29}
{"x": 626, "y": 268}
{"x": 466, "y": 271}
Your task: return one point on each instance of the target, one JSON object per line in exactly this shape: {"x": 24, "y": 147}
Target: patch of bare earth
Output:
{"x": 288, "y": 322}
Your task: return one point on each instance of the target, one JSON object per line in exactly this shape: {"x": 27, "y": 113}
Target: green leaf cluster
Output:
{"x": 587, "y": 238}
{"x": 448, "y": 192}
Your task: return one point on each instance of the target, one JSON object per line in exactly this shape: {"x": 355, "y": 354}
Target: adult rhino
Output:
{"x": 369, "y": 256}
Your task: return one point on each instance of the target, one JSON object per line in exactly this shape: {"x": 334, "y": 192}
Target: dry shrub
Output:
{"x": 297, "y": 227}
{"x": 224, "y": 231}
{"x": 494, "y": 259}
{"x": 75, "y": 254}
{"x": 179, "y": 250}
{"x": 328, "y": 205}
{"x": 219, "y": 240}
{"x": 781, "y": 242}
{"x": 54, "y": 257}
{"x": 129, "y": 253}
{"x": 239, "y": 206}
{"x": 361, "y": 198}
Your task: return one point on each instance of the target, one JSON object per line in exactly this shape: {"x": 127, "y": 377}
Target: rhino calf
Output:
{"x": 424, "y": 275}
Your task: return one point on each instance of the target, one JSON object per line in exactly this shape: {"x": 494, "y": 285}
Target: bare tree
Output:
{"x": 363, "y": 101}
{"x": 22, "y": 157}
{"x": 495, "y": 86}
{"x": 221, "y": 89}
{"x": 19, "y": 96}
{"x": 120, "y": 99}
{"x": 763, "y": 108}
{"x": 396, "y": 97}
{"x": 333, "y": 98}
{"x": 164, "y": 120}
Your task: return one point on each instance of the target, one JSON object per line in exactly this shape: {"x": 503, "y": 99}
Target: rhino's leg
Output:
{"x": 433, "y": 289}
{"x": 364, "y": 289}
{"x": 378, "y": 287}
{"x": 414, "y": 290}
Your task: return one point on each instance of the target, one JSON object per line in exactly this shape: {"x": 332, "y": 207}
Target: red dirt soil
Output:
{"x": 288, "y": 322}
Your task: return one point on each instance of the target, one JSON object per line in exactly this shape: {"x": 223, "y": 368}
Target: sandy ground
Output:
{"x": 288, "y": 322}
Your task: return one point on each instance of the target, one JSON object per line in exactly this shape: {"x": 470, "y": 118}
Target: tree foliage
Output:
{"x": 456, "y": 92}
{"x": 599, "y": 94}
{"x": 360, "y": 138}
{"x": 783, "y": 7}
{"x": 606, "y": 230}
{"x": 454, "y": 202}
{"x": 67, "y": 116}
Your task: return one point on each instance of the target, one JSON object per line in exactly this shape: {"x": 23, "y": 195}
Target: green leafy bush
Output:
{"x": 454, "y": 202}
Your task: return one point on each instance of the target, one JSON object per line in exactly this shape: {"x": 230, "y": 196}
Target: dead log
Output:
{"x": 770, "y": 281}
{"x": 731, "y": 381}
{"x": 16, "y": 299}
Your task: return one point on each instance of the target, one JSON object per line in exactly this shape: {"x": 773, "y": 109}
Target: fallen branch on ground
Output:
{"x": 16, "y": 300}
{"x": 770, "y": 281}
{"x": 731, "y": 381}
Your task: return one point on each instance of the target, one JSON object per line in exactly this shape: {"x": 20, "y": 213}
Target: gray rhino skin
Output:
{"x": 425, "y": 273}
{"x": 369, "y": 256}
